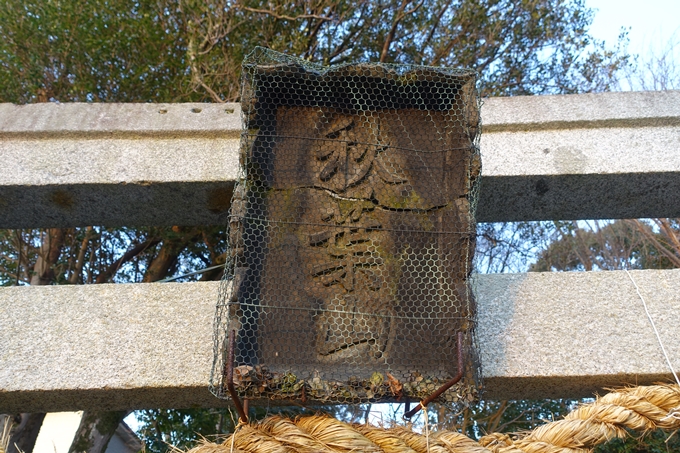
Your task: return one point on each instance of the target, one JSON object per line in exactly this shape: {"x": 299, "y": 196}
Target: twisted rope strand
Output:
{"x": 643, "y": 408}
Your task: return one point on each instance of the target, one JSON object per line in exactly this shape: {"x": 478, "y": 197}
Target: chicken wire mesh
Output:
{"x": 351, "y": 234}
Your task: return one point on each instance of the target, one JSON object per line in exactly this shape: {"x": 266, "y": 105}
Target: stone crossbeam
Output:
{"x": 67, "y": 165}
{"x": 541, "y": 335}
{"x": 608, "y": 155}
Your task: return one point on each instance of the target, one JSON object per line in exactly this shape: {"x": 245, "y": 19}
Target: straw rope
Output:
{"x": 643, "y": 408}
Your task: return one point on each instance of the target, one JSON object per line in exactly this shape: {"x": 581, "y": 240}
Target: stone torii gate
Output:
{"x": 594, "y": 156}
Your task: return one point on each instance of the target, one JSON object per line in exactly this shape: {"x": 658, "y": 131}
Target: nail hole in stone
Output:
{"x": 229, "y": 110}
{"x": 162, "y": 111}
{"x": 196, "y": 110}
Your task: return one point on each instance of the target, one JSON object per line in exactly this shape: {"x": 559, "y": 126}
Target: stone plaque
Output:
{"x": 352, "y": 231}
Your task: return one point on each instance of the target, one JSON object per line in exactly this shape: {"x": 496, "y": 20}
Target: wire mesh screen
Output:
{"x": 351, "y": 233}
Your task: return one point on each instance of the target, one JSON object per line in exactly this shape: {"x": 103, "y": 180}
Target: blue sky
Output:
{"x": 652, "y": 22}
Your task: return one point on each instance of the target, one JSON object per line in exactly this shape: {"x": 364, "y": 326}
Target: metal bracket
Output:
{"x": 229, "y": 379}
{"x": 444, "y": 387}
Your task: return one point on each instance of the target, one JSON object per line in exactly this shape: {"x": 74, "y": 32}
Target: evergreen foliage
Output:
{"x": 191, "y": 50}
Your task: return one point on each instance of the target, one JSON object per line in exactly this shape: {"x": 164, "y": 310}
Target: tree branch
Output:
{"x": 50, "y": 250}
{"x": 665, "y": 226}
{"x": 80, "y": 260}
{"x": 437, "y": 20}
{"x": 660, "y": 247}
{"x": 277, "y": 16}
{"x": 390, "y": 35}
{"x": 105, "y": 276}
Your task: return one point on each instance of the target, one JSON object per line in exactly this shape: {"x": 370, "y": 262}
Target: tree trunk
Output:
{"x": 25, "y": 434}
{"x": 167, "y": 256}
{"x": 50, "y": 250}
{"x": 95, "y": 431}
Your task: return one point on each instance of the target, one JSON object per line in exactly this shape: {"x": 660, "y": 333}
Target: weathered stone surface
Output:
{"x": 105, "y": 346}
{"x": 68, "y": 181}
{"x": 582, "y": 111}
{"x": 590, "y": 173}
{"x": 117, "y": 164}
{"x": 605, "y": 155}
{"x": 149, "y": 345}
{"x": 78, "y": 119}
{"x": 569, "y": 334}
{"x": 586, "y": 156}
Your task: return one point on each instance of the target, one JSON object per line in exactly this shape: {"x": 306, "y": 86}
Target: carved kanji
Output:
{"x": 354, "y": 222}
{"x": 355, "y": 316}
{"x": 353, "y": 148}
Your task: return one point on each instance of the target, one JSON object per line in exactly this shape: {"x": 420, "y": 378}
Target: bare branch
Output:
{"x": 80, "y": 260}
{"x": 277, "y": 16}
{"x": 340, "y": 48}
{"x": 390, "y": 36}
{"x": 666, "y": 227}
{"x": 196, "y": 74}
{"x": 435, "y": 25}
{"x": 414, "y": 9}
{"x": 110, "y": 271}
{"x": 216, "y": 97}
{"x": 660, "y": 247}
{"x": 311, "y": 38}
